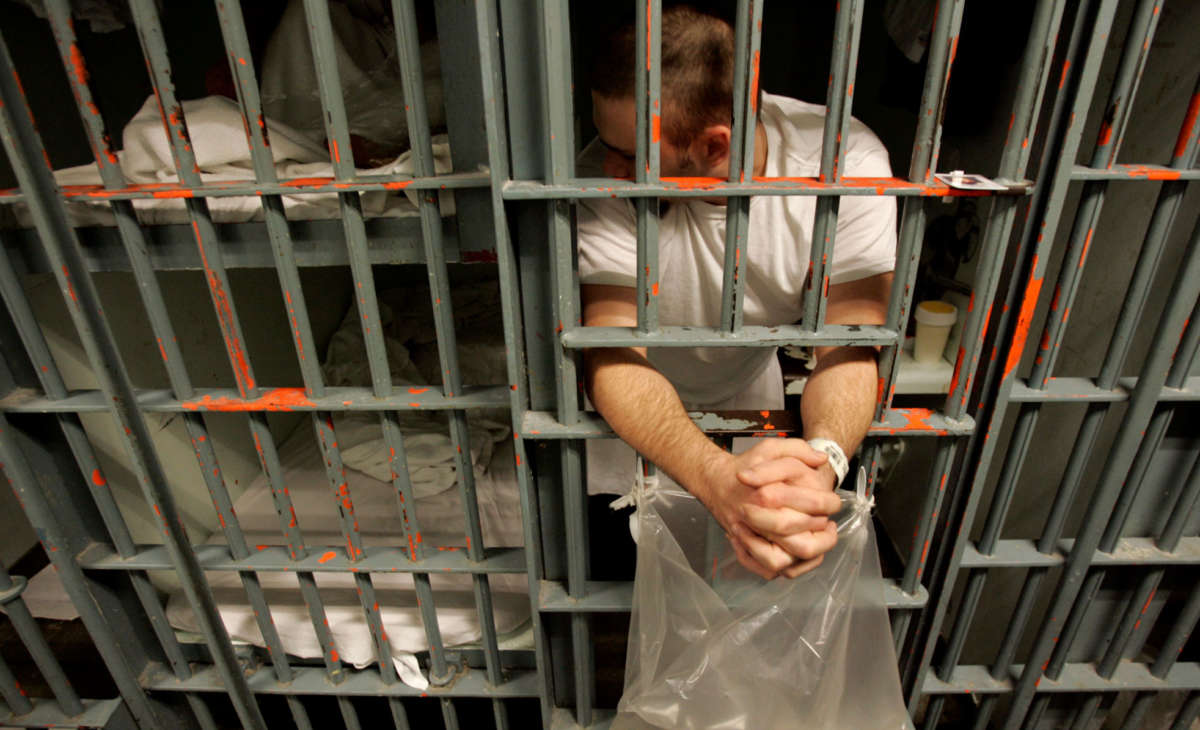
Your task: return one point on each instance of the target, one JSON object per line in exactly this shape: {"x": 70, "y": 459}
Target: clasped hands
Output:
{"x": 775, "y": 502}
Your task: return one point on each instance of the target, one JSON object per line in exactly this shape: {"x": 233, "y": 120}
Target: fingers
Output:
{"x": 771, "y": 449}
{"x": 781, "y": 522}
{"x": 801, "y": 568}
{"x": 809, "y": 500}
{"x": 779, "y": 469}
{"x": 747, "y": 562}
{"x": 809, "y": 545}
{"x": 767, "y": 554}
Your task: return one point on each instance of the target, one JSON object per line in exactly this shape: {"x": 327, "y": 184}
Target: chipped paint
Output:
{"x": 1189, "y": 127}
{"x": 1025, "y": 319}
{"x": 277, "y": 399}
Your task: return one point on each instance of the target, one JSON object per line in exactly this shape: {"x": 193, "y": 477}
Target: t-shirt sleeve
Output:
{"x": 607, "y": 235}
{"x": 866, "y": 230}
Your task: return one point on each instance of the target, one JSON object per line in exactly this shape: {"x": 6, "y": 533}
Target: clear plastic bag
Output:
{"x": 713, "y": 646}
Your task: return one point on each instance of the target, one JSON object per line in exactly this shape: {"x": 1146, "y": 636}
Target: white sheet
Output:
{"x": 375, "y": 504}
{"x": 218, "y": 140}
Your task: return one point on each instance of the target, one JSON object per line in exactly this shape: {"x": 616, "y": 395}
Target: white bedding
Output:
{"x": 218, "y": 140}
{"x": 375, "y": 504}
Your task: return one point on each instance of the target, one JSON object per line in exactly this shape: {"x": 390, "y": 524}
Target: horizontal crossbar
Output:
{"x": 861, "y": 335}
{"x": 712, "y": 187}
{"x": 1139, "y": 551}
{"x": 617, "y": 597}
{"x": 1077, "y": 677}
{"x": 320, "y": 559}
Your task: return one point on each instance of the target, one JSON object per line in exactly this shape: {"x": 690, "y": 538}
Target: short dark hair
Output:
{"x": 697, "y": 71}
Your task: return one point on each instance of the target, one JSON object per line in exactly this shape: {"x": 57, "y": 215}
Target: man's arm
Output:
{"x": 645, "y": 411}
{"x": 839, "y": 397}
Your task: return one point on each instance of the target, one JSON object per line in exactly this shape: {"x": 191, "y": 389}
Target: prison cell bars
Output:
{"x": 1130, "y": 70}
{"x": 541, "y": 424}
{"x": 926, "y": 141}
{"x": 300, "y": 326}
{"x": 62, "y": 247}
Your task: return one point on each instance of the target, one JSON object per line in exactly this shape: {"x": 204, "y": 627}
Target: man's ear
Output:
{"x": 712, "y": 146}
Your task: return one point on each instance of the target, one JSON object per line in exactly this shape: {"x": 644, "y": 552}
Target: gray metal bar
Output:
{"x": 943, "y": 42}
{"x": 447, "y": 345}
{"x": 312, "y": 681}
{"x": 1188, "y": 713}
{"x": 1116, "y": 467}
{"x": 23, "y": 146}
{"x": 582, "y": 188}
{"x": 1137, "y": 711}
{"x": 336, "y": 472}
{"x": 36, "y": 644}
{"x": 846, "y": 30}
{"x": 1181, "y": 630}
{"x": 755, "y": 336}
{"x": 519, "y": 395}
{"x": 30, "y": 491}
{"x": 1065, "y": 136}
{"x": 13, "y": 694}
{"x": 747, "y": 45}
{"x": 350, "y": 205}
{"x": 648, "y": 96}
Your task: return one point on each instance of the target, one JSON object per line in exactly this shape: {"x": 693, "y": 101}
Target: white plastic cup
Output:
{"x": 934, "y": 322}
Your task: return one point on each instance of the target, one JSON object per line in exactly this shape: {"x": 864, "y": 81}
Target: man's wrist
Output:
{"x": 836, "y": 462}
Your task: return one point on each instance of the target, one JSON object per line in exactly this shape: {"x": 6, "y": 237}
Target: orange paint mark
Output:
{"x": 98, "y": 478}
{"x": 397, "y": 184}
{"x": 1151, "y": 173}
{"x": 754, "y": 84}
{"x": 278, "y": 399}
{"x": 958, "y": 362}
{"x": 333, "y": 655}
{"x": 78, "y": 69}
{"x": 1189, "y": 126}
{"x": 1106, "y": 133}
{"x": 417, "y": 391}
{"x": 915, "y": 419}
{"x": 415, "y": 405}
{"x": 1087, "y": 243}
{"x": 70, "y": 287}
{"x": 1032, "y": 290}
{"x": 654, "y": 289}
{"x": 1063, "y": 78}
{"x": 333, "y": 150}
{"x": 162, "y": 350}
{"x": 655, "y": 128}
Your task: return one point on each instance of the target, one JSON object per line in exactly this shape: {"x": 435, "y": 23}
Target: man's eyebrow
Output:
{"x": 617, "y": 150}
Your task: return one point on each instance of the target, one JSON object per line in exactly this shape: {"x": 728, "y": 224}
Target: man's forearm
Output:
{"x": 839, "y": 398}
{"x": 643, "y": 408}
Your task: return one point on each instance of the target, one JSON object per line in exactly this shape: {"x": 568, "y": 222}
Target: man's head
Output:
{"x": 697, "y": 95}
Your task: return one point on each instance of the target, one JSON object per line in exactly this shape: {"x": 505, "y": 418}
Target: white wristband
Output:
{"x": 837, "y": 457}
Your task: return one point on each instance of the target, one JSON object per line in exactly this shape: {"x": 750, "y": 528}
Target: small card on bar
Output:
{"x": 967, "y": 181}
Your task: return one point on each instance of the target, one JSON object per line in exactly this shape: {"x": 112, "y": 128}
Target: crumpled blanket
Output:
{"x": 223, "y": 154}
{"x": 410, "y": 342}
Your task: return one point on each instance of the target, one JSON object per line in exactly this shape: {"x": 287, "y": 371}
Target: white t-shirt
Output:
{"x": 692, "y": 249}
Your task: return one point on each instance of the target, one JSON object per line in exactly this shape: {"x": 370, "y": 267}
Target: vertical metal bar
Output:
{"x": 96, "y": 617}
{"x": 648, "y": 97}
{"x": 746, "y": 52}
{"x": 1116, "y": 467}
{"x": 943, "y": 45}
{"x": 335, "y": 470}
{"x": 519, "y": 394}
{"x": 554, "y": 73}
{"x": 37, "y": 646}
{"x": 62, "y": 248}
{"x": 1188, "y": 713}
{"x": 846, "y": 31}
{"x": 1177, "y": 638}
{"x": 431, "y": 233}
{"x": 1129, "y": 72}
{"x": 10, "y": 688}
{"x": 156, "y": 306}
{"x": 242, "y": 67}
{"x": 1083, "y": 56}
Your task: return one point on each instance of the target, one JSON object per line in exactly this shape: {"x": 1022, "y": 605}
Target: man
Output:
{"x": 775, "y": 498}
